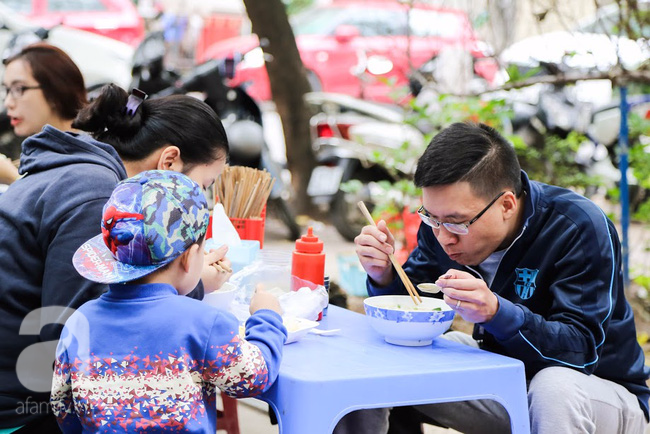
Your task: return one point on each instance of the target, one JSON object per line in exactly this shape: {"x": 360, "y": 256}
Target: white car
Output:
{"x": 593, "y": 46}
{"x": 586, "y": 51}
{"x": 101, "y": 59}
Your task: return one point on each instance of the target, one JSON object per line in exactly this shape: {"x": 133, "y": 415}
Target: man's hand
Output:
{"x": 373, "y": 245}
{"x": 216, "y": 269}
{"x": 468, "y": 296}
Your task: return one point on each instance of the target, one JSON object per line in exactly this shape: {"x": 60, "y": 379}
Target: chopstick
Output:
{"x": 221, "y": 267}
{"x": 243, "y": 191}
{"x": 400, "y": 271}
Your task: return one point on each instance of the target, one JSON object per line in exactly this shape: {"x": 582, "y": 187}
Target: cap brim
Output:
{"x": 94, "y": 261}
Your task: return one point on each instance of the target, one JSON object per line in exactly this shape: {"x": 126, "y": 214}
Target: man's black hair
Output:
{"x": 473, "y": 153}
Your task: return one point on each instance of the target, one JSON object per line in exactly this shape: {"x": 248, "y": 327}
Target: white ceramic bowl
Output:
{"x": 222, "y": 297}
{"x": 400, "y": 322}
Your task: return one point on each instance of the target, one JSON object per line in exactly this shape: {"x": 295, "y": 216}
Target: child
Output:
{"x": 140, "y": 357}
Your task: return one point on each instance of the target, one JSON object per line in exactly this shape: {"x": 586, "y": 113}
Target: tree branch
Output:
{"x": 618, "y": 76}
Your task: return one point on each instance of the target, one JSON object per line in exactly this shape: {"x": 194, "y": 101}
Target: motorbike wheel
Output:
{"x": 284, "y": 213}
{"x": 345, "y": 214}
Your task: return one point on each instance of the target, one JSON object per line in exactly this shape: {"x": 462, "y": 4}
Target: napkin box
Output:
{"x": 241, "y": 255}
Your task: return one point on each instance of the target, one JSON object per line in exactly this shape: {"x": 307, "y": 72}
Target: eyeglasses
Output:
{"x": 15, "y": 90}
{"x": 454, "y": 228}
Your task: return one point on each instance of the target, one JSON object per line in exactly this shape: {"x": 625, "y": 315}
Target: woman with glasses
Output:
{"x": 537, "y": 269}
{"x": 41, "y": 86}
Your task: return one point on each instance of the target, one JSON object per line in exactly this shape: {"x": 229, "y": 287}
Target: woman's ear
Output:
{"x": 170, "y": 159}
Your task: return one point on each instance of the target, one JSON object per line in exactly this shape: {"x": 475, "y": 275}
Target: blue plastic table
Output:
{"x": 322, "y": 378}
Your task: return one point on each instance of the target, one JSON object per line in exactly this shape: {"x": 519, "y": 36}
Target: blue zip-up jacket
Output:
{"x": 44, "y": 218}
{"x": 141, "y": 358}
{"x": 560, "y": 291}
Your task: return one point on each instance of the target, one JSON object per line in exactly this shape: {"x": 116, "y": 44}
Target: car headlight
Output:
{"x": 379, "y": 65}
{"x": 253, "y": 59}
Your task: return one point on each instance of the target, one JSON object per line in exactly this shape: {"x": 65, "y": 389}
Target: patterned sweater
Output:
{"x": 141, "y": 358}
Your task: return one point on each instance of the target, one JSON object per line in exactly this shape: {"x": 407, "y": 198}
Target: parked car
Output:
{"x": 116, "y": 19}
{"x": 596, "y": 42}
{"x": 577, "y": 50}
{"x": 101, "y": 59}
{"x": 594, "y": 45}
{"x": 353, "y": 47}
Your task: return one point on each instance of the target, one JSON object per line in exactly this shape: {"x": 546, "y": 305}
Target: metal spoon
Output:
{"x": 431, "y": 288}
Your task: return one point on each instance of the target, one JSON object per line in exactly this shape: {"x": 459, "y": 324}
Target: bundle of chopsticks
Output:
{"x": 243, "y": 191}
{"x": 400, "y": 271}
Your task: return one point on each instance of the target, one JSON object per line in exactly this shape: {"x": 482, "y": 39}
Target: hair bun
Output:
{"x": 106, "y": 115}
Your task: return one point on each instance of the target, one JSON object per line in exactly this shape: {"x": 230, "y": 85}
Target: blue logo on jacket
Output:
{"x": 525, "y": 283}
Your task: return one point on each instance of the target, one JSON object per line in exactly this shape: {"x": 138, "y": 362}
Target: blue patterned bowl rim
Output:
{"x": 408, "y": 316}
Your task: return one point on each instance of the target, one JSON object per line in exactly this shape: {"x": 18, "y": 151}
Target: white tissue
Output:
{"x": 223, "y": 232}
{"x": 304, "y": 303}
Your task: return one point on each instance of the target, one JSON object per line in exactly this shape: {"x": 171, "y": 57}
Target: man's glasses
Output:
{"x": 454, "y": 228}
{"x": 15, "y": 90}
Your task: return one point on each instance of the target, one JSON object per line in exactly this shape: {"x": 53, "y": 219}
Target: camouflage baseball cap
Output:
{"x": 149, "y": 220}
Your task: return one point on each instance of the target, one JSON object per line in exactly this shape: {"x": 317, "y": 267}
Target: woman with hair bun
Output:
{"x": 54, "y": 208}
{"x": 177, "y": 133}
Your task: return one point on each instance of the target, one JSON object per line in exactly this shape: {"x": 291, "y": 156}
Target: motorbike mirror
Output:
{"x": 42, "y": 33}
{"x": 345, "y": 33}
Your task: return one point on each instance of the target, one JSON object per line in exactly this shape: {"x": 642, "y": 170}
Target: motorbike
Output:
{"x": 345, "y": 132}
{"x": 239, "y": 113}
{"x": 556, "y": 109}
{"x": 351, "y": 136}
{"x": 603, "y": 130}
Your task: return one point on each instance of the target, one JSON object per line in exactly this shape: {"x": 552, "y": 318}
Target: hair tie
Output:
{"x": 136, "y": 98}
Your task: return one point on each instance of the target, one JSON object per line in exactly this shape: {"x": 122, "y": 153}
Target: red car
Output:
{"x": 117, "y": 19}
{"x": 354, "y": 46}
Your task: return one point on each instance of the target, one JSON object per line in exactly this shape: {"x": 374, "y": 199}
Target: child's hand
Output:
{"x": 216, "y": 269}
{"x": 264, "y": 300}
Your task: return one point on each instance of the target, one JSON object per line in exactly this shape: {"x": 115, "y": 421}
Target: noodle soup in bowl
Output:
{"x": 401, "y": 322}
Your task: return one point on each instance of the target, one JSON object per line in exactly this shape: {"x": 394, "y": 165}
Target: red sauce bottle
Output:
{"x": 308, "y": 259}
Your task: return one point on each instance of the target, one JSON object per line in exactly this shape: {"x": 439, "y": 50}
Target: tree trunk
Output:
{"x": 289, "y": 84}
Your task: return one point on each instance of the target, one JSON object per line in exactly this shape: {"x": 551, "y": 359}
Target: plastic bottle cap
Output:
{"x": 309, "y": 243}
